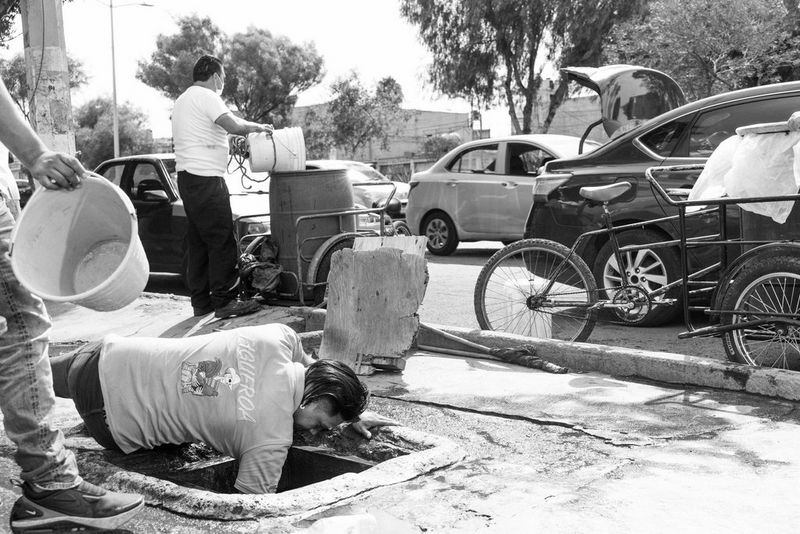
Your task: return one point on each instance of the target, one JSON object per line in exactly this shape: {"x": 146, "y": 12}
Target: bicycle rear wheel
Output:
{"x": 510, "y": 292}
{"x": 765, "y": 288}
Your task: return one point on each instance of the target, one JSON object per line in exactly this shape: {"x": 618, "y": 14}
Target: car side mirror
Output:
{"x": 156, "y": 195}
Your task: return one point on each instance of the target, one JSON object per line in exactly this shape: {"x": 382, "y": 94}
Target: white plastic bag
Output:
{"x": 711, "y": 182}
{"x": 765, "y": 165}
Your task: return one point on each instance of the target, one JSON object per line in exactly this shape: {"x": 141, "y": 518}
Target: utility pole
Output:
{"x": 47, "y": 73}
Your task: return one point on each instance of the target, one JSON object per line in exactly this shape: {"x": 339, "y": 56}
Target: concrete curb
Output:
{"x": 658, "y": 366}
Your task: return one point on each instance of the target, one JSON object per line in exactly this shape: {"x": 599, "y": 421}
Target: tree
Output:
{"x": 485, "y": 48}
{"x": 437, "y": 146}
{"x": 317, "y": 133}
{"x": 264, "y": 74}
{"x": 13, "y": 73}
{"x": 94, "y": 136}
{"x": 693, "y": 41}
{"x": 359, "y": 117}
{"x": 169, "y": 69}
{"x": 781, "y": 60}
{"x": 9, "y": 9}
{"x": 579, "y": 31}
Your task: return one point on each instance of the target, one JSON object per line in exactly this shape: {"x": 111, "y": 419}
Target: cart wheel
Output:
{"x": 320, "y": 264}
{"x": 509, "y": 292}
{"x": 401, "y": 228}
{"x": 765, "y": 285}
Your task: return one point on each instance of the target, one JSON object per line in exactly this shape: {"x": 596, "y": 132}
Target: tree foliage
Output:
{"x": 264, "y": 73}
{"x": 169, "y": 69}
{"x": 317, "y": 133}
{"x": 9, "y": 9}
{"x": 485, "y": 49}
{"x": 707, "y": 46}
{"x": 579, "y": 30}
{"x": 13, "y": 74}
{"x": 94, "y": 135}
{"x": 359, "y": 116}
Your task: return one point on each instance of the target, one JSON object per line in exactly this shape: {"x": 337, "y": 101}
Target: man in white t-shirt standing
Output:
{"x": 201, "y": 123}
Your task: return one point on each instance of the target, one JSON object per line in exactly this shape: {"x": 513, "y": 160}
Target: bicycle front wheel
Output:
{"x": 765, "y": 288}
{"x": 535, "y": 288}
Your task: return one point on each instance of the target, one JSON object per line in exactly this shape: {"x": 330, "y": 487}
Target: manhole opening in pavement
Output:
{"x": 311, "y": 459}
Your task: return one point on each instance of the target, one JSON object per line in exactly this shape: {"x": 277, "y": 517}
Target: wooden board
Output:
{"x": 410, "y": 244}
{"x": 373, "y": 298}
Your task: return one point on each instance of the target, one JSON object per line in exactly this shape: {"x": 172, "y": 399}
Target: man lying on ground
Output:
{"x": 241, "y": 391}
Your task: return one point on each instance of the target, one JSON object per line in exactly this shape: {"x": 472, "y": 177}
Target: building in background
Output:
{"x": 405, "y": 153}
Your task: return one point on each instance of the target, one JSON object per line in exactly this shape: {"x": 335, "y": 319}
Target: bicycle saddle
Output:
{"x": 605, "y": 193}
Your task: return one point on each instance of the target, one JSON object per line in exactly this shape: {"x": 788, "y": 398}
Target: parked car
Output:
{"x": 687, "y": 134}
{"x": 482, "y": 189}
{"x": 369, "y": 196}
{"x": 151, "y": 182}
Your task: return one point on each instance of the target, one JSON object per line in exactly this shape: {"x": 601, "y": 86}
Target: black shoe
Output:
{"x": 85, "y": 505}
{"x": 199, "y": 312}
{"x": 236, "y": 308}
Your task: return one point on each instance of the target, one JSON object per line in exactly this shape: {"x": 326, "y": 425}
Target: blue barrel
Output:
{"x": 320, "y": 193}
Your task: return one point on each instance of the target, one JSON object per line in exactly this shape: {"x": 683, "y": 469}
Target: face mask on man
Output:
{"x": 218, "y": 90}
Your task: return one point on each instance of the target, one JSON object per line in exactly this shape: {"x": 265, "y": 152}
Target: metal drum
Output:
{"x": 305, "y": 210}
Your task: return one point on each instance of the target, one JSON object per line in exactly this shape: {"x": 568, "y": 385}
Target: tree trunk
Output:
{"x": 556, "y": 99}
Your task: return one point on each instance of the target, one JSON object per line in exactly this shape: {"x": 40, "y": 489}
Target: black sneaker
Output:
{"x": 85, "y": 505}
{"x": 235, "y": 308}
{"x": 205, "y": 310}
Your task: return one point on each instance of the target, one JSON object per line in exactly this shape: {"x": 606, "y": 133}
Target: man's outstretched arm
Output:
{"x": 53, "y": 170}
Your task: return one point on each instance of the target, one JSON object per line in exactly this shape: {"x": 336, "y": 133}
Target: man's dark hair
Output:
{"x": 206, "y": 67}
{"x": 336, "y": 381}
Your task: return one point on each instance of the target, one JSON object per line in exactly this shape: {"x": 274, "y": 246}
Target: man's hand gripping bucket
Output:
{"x": 80, "y": 246}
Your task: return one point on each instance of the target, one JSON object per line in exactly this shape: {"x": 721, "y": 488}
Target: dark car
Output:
{"x": 685, "y": 135}
{"x": 150, "y": 181}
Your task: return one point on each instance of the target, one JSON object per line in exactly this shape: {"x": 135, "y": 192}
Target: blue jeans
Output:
{"x": 26, "y": 382}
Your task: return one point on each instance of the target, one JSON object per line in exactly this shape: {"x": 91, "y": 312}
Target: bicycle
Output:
{"x": 540, "y": 288}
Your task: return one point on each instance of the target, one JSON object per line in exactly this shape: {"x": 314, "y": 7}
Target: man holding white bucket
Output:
{"x": 200, "y": 124}
{"x": 54, "y": 495}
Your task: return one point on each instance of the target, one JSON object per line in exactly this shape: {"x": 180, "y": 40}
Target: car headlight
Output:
{"x": 255, "y": 227}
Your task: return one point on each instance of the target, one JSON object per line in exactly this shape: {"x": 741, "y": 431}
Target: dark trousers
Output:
{"x": 211, "y": 251}
{"x": 76, "y": 376}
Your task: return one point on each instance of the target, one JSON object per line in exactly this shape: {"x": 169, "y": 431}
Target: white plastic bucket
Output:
{"x": 283, "y": 151}
{"x": 80, "y": 246}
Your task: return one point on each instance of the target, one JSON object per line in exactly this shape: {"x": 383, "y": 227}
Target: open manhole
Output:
{"x": 196, "y": 480}
{"x": 310, "y": 460}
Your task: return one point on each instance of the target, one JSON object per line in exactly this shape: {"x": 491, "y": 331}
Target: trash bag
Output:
{"x": 711, "y": 182}
{"x": 766, "y": 165}
{"x": 261, "y": 274}
{"x": 753, "y": 165}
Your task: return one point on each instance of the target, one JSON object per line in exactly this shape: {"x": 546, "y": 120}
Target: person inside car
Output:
{"x": 242, "y": 391}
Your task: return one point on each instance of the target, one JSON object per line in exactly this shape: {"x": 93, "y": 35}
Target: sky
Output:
{"x": 366, "y": 36}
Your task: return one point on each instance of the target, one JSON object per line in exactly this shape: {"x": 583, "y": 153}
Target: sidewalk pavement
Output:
{"x": 585, "y": 451}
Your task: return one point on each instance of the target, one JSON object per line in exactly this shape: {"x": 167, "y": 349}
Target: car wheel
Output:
{"x": 441, "y": 234}
{"x": 401, "y": 228}
{"x": 649, "y": 269}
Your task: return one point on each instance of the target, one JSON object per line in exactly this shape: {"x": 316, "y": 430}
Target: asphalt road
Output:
{"x": 449, "y": 301}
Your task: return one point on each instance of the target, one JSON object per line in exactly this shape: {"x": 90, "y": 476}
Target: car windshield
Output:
{"x": 368, "y": 173}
